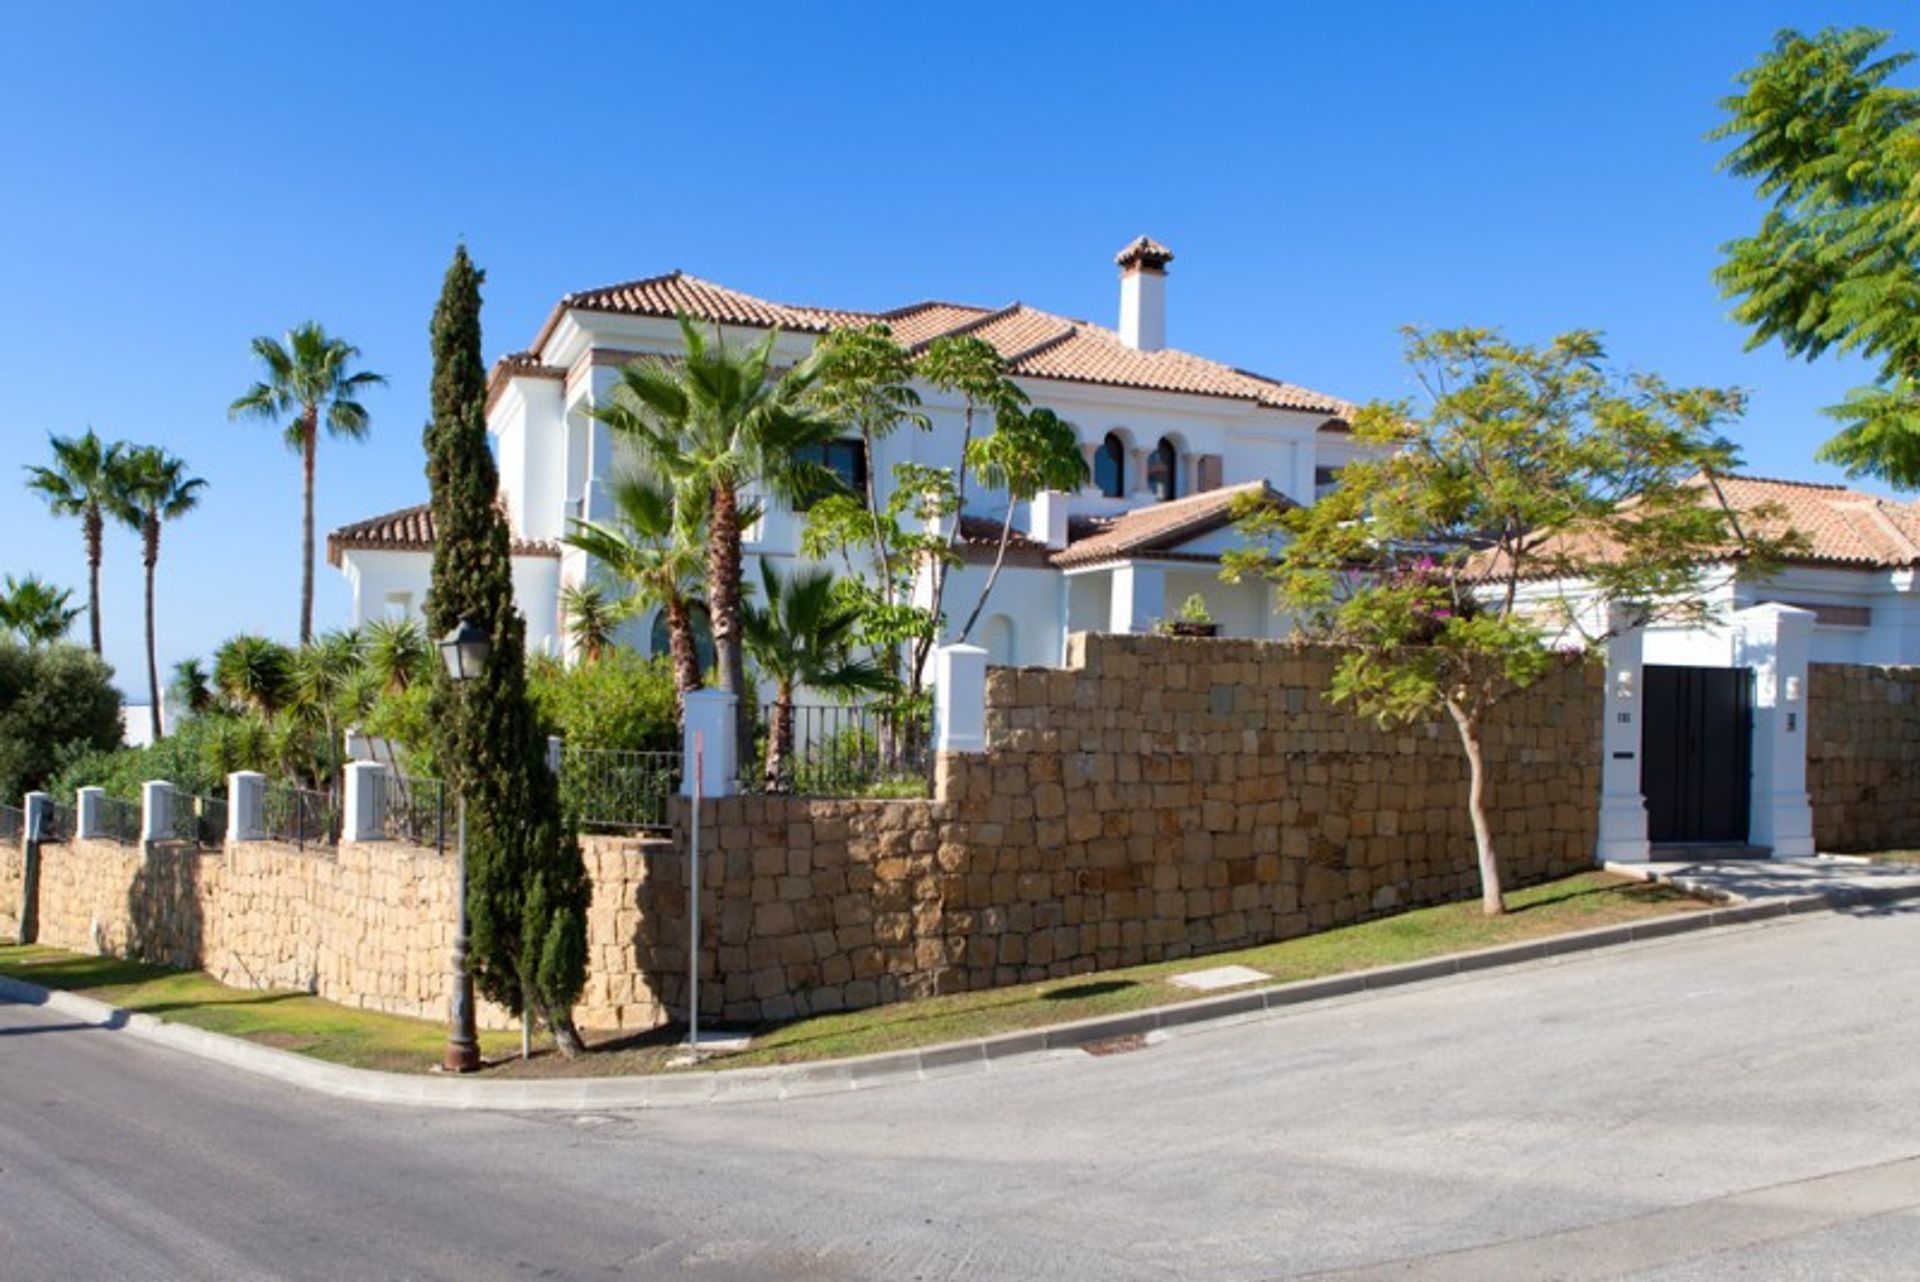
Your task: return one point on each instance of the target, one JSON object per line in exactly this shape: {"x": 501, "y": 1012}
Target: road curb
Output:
{"x": 796, "y": 1081}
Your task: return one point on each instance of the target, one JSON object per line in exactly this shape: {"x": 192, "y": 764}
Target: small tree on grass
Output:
{"x": 527, "y": 887}
{"x": 1528, "y": 467}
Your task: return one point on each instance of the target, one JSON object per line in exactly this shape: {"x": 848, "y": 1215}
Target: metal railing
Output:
{"x": 418, "y": 812}
{"x": 301, "y": 816}
{"x": 831, "y": 750}
{"x": 117, "y": 820}
{"x": 13, "y": 824}
{"x": 200, "y": 820}
{"x": 618, "y": 789}
{"x": 59, "y": 824}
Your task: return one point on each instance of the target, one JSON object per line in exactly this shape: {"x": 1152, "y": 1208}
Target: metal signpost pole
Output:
{"x": 693, "y": 901}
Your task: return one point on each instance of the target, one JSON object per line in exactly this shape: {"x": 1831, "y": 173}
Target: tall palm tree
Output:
{"x": 82, "y": 482}
{"x": 803, "y": 635}
{"x": 309, "y": 377}
{"x": 655, "y": 544}
{"x": 714, "y": 423}
{"x": 155, "y": 489}
{"x": 36, "y": 611}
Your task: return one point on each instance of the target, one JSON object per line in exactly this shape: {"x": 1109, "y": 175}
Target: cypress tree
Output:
{"x": 527, "y": 887}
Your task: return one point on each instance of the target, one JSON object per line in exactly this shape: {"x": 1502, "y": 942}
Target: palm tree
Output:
{"x": 803, "y": 636}
{"x": 713, "y": 423}
{"x": 82, "y": 482}
{"x": 192, "y": 686}
{"x": 308, "y": 377}
{"x": 398, "y": 653}
{"x": 591, "y": 615}
{"x": 253, "y": 673}
{"x": 655, "y": 545}
{"x": 36, "y": 611}
{"x": 155, "y": 489}
{"x": 323, "y": 678}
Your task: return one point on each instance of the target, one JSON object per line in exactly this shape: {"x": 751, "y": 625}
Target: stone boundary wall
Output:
{"x": 1160, "y": 799}
{"x": 1863, "y": 756}
{"x": 368, "y": 925}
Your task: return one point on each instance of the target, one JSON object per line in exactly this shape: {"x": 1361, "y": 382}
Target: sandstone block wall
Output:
{"x": 1162, "y": 799}
{"x": 1863, "y": 756}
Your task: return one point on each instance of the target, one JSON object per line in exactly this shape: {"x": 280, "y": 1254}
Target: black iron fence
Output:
{"x": 200, "y": 820}
{"x": 617, "y": 789}
{"x": 13, "y": 824}
{"x": 301, "y": 816}
{"x": 830, "y": 750}
{"x": 116, "y": 819}
{"x": 418, "y": 812}
{"x": 59, "y": 823}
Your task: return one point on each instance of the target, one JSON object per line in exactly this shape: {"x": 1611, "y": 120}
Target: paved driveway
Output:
{"x": 1740, "y": 1103}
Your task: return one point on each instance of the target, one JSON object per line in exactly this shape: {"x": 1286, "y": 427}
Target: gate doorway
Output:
{"x": 1696, "y": 753}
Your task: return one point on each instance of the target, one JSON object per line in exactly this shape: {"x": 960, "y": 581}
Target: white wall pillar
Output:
{"x": 959, "y": 699}
{"x": 556, "y": 752}
{"x": 708, "y": 725}
{"x": 1139, "y": 597}
{"x": 364, "y": 808}
{"x": 86, "y": 813}
{"x": 156, "y": 810}
{"x": 39, "y": 812}
{"x": 246, "y": 806}
{"x": 1623, "y": 810}
{"x": 1047, "y": 519}
{"x": 1775, "y": 641}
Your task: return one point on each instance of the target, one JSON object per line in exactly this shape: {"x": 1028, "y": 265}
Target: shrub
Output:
{"x": 56, "y": 702}
{"x": 621, "y": 700}
{"x": 196, "y": 758}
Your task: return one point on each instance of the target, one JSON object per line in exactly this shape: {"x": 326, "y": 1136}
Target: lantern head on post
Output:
{"x": 465, "y": 650}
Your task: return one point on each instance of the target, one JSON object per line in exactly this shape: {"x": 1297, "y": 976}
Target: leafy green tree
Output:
{"x": 802, "y": 634}
{"x": 154, "y": 489}
{"x": 1528, "y": 466}
{"x": 83, "y": 481}
{"x": 655, "y": 544}
{"x": 713, "y": 424}
{"x": 56, "y": 702}
{"x": 527, "y": 886}
{"x": 1028, "y": 451}
{"x": 254, "y": 673}
{"x": 309, "y": 380}
{"x": 1835, "y": 265}
{"x": 35, "y": 611}
{"x": 968, "y": 367}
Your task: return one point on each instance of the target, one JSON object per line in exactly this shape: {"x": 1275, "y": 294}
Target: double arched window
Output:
{"x": 1110, "y": 466}
{"x": 1163, "y": 471}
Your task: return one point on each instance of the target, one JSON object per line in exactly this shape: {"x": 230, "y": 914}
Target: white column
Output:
{"x": 156, "y": 810}
{"x": 364, "y": 808}
{"x": 1775, "y": 641}
{"x": 39, "y": 809}
{"x": 1139, "y": 597}
{"x": 86, "y": 809}
{"x": 246, "y": 806}
{"x": 1047, "y": 519}
{"x": 1623, "y": 810}
{"x": 708, "y": 722}
{"x": 959, "y": 699}
{"x": 556, "y": 752}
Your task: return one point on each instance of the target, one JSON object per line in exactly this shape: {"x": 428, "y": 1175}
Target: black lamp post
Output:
{"x": 465, "y": 650}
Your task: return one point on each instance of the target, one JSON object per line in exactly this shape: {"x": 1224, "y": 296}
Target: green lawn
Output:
{"x": 297, "y": 1022}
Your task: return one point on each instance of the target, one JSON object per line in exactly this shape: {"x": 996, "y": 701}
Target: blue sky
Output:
{"x": 181, "y": 178}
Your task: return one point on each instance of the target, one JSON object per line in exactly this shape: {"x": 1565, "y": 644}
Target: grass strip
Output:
{"x": 365, "y": 1039}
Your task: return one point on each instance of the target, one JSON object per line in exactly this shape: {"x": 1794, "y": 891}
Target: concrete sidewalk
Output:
{"x": 1832, "y": 881}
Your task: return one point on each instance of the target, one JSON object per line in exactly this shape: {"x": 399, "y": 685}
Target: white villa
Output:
{"x": 1170, "y": 438}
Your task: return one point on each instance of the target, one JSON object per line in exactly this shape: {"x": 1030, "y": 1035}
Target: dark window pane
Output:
{"x": 845, "y": 458}
{"x": 1110, "y": 467}
{"x": 1162, "y": 472}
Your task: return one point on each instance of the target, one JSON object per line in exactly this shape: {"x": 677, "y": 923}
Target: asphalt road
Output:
{"x": 1742, "y": 1103}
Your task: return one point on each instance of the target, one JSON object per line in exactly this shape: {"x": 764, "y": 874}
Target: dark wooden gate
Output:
{"x": 1696, "y": 753}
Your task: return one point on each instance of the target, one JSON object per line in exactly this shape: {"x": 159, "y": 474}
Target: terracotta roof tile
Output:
{"x": 409, "y": 530}
{"x": 1159, "y": 527}
{"x": 1036, "y": 343}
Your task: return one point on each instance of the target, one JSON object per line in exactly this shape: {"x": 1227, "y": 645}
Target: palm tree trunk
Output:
{"x": 309, "y": 431}
{"x": 723, "y": 597}
{"x": 686, "y": 656}
{"x": 1492, "y": 901}
{"x": 150, "y": 532}
{"x": 780, "y": 741}
{"x": 91, "y": 524}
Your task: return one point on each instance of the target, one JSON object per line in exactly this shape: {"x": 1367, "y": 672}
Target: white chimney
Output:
{"x": 1143, "y": 294}
{"x": 1047, "y": 519}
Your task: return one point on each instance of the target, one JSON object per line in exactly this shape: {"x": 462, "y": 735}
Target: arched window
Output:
{"x": 1163, "y": 474}
{"x": 658, "y": 642}
{"x": 1110, "y": 467}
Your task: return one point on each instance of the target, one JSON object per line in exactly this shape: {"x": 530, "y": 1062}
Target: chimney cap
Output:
{"x": 1144, "y": 254}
